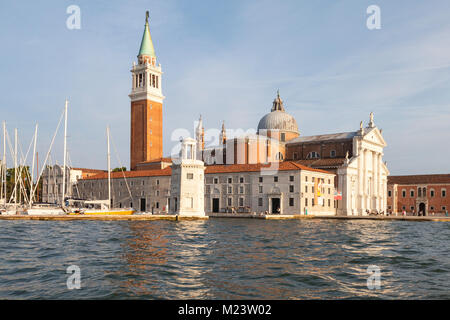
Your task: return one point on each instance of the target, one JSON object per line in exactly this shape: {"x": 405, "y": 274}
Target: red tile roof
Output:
{"x": 156, "y": 160}
{"x": 132, "y": 174}
{"x": 419, "y": 179}
{"x": 328, "y": 162}
{"x": 280, "y": 166}
{"x": 90, "y": 170}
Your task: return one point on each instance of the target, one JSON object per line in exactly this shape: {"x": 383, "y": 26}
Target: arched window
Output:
{"x": 424, "y": 191}
{"x": 313, "y": 155}
{"x": 279, "y": 156}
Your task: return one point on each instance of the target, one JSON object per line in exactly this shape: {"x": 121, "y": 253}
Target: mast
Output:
{"x": 65, "y": 153}
{"x": 32, "y": 167}
{"x": 109, "y": 169}
{"x": 15, "y": 167}
{"x": 37, "y": 177}
{"x": 4, "y": 162}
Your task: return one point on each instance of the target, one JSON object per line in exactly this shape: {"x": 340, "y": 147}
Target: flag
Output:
{"x": 337, "y": 195}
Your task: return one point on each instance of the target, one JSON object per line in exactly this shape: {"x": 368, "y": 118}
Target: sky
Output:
{"x": 226, "y": 60}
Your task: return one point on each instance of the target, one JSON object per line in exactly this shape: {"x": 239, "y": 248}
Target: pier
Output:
{"x": 149, "y": 217}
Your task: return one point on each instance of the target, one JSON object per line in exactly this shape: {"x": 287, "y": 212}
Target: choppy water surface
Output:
{"x": 224, "y": 259}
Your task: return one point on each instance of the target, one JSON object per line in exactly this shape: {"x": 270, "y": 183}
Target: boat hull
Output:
{"x": 111, "y": 212}
{"x": 45, "y": 211}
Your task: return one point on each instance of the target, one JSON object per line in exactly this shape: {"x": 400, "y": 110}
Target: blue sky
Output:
{"x": 225, "y": 60}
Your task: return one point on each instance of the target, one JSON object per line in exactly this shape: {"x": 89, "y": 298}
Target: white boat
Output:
{"x": 49, "y": 209}
{"x": 45, "y": 210}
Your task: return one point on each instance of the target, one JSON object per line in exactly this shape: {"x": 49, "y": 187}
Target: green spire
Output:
{"x": 146, "y": 44}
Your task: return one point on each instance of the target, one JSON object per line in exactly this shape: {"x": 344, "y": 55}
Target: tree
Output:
{"x": 119, "y": 169}
{"x": 24, "y": 174}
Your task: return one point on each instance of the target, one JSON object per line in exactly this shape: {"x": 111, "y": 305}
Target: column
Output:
{"x": 375, "y": 180}
{"x": 360, "y": 181}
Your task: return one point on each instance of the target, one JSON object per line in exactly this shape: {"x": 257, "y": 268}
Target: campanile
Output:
{"x": 146, "y": 104}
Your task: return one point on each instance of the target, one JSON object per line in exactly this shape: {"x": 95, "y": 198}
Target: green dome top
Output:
{"x": 147, "y": 48}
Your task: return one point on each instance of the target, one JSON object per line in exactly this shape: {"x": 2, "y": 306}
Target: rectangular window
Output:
{"x": 329, "y": 202}
{"x": 275, "y": 179}
{"x": 260, "y": 202}
{"x": 291, "y": 188}
{"x": 306, "y": 202}
{"x": 261, "y": 179}
{"x": 229, "y": 202}
{"x": 216, "y": 180}
{"x": 241, "y": 202}
{"x": 443, "y": 193}
{"x": 230, "y": 189}
{"x": 313, "y": 179}
{"x": 389, "y": 193}
{"x": 312, "y": 202}
{"x": 241, "y": 189}
{"x": 306, "y": 179}
{"x": 283, "y": 136}
{"x": 404, "y": 193}
{"x": 306, "y": 188}
{"x": 230, "y": 180}
{"x": 411, "y": 193}
{"x": 431, "y": 193}
{"x": 291, "y": 202}
{"x": 260, "y": 189}
{"x": 190, "y": 176}
{"x": 157, "y": 182}
{"x": 291, "y": 178}
{"x": 157, "y": 205}
{"x": 312, "y": 189}
{"x": 241, "y": 180}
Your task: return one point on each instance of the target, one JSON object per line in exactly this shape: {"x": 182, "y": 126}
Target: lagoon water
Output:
{"x": 225, "y": 259}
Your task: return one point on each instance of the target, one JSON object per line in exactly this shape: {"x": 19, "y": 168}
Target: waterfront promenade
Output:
{"x": 150, "y": 217}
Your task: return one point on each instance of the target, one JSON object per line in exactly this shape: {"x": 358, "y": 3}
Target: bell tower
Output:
{"x": 146, "y": 104}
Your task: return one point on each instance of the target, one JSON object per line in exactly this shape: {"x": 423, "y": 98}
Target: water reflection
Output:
{"x": 226, "y": 259}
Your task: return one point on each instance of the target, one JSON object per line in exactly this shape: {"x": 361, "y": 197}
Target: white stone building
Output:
{"x": 187, "y": 187}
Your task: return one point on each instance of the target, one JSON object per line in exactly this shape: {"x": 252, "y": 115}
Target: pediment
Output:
{"x": 375, "y": 136}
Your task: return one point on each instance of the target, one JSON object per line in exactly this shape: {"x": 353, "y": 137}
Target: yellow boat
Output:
{"x": 100, "y": 207}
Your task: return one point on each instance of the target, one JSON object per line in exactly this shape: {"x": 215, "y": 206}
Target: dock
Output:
{"x": 150, "y": 217}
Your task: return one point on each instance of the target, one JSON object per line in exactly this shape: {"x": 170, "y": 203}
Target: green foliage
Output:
{"x": 119, "y": 169}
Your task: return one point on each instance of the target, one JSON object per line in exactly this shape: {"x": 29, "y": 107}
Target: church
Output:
{"x": 276, "y": 170}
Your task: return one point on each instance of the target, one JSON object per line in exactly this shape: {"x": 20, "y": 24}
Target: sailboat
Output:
{"x": 103, "y": 207}
{"x": 48, "y": 209}
{"x": 13, "y": 206}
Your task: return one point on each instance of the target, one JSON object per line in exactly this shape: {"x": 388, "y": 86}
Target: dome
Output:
{"x": 278, "y": 119}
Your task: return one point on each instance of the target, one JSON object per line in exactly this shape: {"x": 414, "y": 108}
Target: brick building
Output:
{"x": 419, "y": 194}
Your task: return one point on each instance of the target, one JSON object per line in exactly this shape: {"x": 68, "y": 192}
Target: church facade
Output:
{"x": 275, "y": 170}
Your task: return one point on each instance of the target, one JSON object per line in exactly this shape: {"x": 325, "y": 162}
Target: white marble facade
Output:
{"x": 363, "y": 177}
